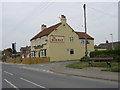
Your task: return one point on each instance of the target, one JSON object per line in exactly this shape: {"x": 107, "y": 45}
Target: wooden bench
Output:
{"x": 107, "y": 60}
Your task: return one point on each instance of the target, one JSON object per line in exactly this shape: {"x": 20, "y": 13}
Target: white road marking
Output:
{"x": 36, "y": 69}
{"x": 11, "y": 84}
{"x": 41, "y": 65}
{"x": 33, "y": 83}
{"x": 8, "y": 73}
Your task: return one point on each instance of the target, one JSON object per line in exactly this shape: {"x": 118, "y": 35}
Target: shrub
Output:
{"x": 85, "y": 58}
{"x": 106, "y": 53}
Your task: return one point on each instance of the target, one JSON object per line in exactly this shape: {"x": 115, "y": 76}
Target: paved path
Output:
{"x": 92, "y": 72}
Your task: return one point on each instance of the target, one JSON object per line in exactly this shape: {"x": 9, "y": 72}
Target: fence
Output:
{"x": 28, "y": 60}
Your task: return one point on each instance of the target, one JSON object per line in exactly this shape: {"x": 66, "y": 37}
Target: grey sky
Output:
{"x": 21, "y": 21}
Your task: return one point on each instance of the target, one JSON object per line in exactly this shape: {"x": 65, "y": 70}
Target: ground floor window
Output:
{"x": 33, "y": 54}
{"x": 71, "y": 51}
{"x": 43, "y": 53}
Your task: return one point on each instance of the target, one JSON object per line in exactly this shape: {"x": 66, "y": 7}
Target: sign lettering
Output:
{"x": 59, "y": 39}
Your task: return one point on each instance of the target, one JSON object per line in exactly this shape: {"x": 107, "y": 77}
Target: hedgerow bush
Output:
{"x": 108, "y": 53}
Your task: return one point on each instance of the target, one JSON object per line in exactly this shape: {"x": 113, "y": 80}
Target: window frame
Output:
{"x": 73, "y": 51}
{"x": 71, "y": 39}
{"x": 43, "y": 53}
{"x": 82, "y": 42}
{"x": 44, "y": 41}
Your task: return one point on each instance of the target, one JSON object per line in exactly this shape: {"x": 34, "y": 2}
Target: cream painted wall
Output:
{"x": 59, "y": 51}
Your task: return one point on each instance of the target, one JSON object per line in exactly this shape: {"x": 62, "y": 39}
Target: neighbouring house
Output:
{"x": 106, "y": 46}
{"x": 17, "y": 55}
{"x": 6, "y": 54}
{"x": 60, "y": 42}
{"x": 25, "y": 51}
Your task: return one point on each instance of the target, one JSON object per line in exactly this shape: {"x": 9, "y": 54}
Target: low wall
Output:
{"x": 25, "y": 60}
{"x": 28, "y": 60}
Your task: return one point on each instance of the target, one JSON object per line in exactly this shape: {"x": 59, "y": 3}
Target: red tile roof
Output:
{"x": 82, "y": 35}
{"x": 47, "y": 31}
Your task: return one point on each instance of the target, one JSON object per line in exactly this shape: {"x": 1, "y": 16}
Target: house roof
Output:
{"x": 82, "y": 35}
{"x": 46, "y": 31}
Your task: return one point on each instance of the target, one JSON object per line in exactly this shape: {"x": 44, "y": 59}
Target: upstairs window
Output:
{"x": 82, "y": 41}
{"x": 38, "y": 42}
{"x": 32, "y": 43}
{"x": 44, "y": 41}
{"x": 88, "y": 41}
{"x": 71, "y": 39}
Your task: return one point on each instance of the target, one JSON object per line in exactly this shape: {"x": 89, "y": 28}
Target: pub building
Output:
{"x": 60, "y": 42}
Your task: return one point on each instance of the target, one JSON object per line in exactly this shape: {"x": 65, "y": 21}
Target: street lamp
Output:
{"x": 112, "y": 40}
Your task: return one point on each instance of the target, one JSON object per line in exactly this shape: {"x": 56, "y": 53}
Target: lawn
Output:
{"x": 80, "y": 65}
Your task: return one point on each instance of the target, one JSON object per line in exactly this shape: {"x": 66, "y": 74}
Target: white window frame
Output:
{"x": 71, "y": 39}
{"x": 88, "y": 42}
{"x": 38, "y": 42}
{"x": 83, "y": 42}
{"x": 43, "y": 53}
{"x": 44, "y": 41}
{"x": 32, "y": 43}
{"x": 32, "y": 53}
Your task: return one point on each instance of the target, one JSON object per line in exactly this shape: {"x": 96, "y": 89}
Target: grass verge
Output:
{"x": 80, "y": 65}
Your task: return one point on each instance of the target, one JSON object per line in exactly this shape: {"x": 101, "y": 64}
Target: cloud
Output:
{"x": 21, "y": 21}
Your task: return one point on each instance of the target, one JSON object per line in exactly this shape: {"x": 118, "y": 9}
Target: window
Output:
{"x": 88, "y": 41}
{"x": 38, "y": 42}
{"x": 71, "y": 51}
{"x": 33, "y": 54}
{"x": 71, "y": 39}
{"x": 32, "y": 43}
{"x": 43, "y": 53}
{"x": 44, "y": 41}
{"x": 82, "y": 41}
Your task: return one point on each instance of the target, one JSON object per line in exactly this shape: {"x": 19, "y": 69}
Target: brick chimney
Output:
{"x": 63, "y": 19}
{"x": 43, "y": 27}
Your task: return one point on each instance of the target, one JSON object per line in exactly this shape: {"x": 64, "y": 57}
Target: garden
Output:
{"x": 103, "y": 59}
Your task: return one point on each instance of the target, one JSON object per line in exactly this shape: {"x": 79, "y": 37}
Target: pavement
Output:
{"x": 60, "y": 67}
{"x": 90, "y": 72}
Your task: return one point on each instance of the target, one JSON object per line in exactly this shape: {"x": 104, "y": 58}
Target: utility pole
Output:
{"x": 86, "y": 51}
{"x": 112, "y": 40}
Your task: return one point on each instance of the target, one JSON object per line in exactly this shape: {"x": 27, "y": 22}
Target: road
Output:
{"x": 16, "y": 76}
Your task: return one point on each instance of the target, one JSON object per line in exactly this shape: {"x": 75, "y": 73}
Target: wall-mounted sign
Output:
{"x": 55, "y": 38}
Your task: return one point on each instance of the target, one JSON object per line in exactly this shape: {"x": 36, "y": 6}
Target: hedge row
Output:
{"x": 111, "y": 53}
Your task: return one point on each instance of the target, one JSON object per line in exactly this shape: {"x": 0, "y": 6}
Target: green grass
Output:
{"x": 80, "y": 65}
{"x": 115, "y": 67}
{"x": 100, "y": 64}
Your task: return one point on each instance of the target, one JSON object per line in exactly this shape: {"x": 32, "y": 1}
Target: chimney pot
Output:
{"x": 43, "y": 27}
{"x": 63, "y": 19}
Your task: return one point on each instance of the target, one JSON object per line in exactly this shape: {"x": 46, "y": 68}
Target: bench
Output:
{"x": 107, "y": 60}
